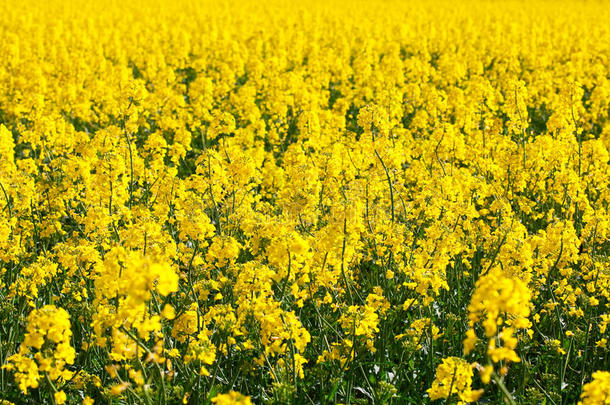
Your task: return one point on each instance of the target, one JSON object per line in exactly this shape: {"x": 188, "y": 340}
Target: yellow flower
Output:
{"x": 597, "y": 392}
{"x": 48, "y": 326}
{"x": 496, "y": 296}
{"x": 231, "y": 398}
{"x": 119, "y": 388}
{"x": 60, "y": 397}
{"x": 454, "y": 376}
{"x": 470, "y": 341}
{"x": 168, "y": 312}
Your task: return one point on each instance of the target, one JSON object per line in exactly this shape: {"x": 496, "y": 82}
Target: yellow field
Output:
{"x": 304, "y": 202}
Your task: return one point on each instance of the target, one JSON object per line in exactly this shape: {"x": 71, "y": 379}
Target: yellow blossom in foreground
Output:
{"x": 498, "y": 295}
{"x": 454, "y": 377}
{"x": 232, "y": 398}
{"x": 45, "y": 349}
{"x": 308, "y": 202}
{"x": 597, "y": 392}
{"x": 60, "y": 397}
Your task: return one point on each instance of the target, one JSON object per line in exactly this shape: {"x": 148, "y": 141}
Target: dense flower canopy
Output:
{"x": 304, "y": 202}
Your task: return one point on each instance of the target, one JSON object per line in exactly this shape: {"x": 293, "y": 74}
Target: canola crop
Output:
{"x": 279, "y": 202}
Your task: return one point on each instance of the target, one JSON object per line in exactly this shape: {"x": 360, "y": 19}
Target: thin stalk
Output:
{"x": 387, "y": 174}
{"x": 503, "y": 388}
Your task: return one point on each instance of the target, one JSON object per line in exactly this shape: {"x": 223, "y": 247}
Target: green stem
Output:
{"x": 147, "y": 350}
{"x": 503, "y": 388}
{"x": 387, "y": 174}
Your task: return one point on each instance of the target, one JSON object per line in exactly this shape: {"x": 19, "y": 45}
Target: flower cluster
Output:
{"x": 330, "y": 201}
{"x": 454, "y": 376}
{"x": 597, "y": 392}
{"x": 45, "y": 351}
